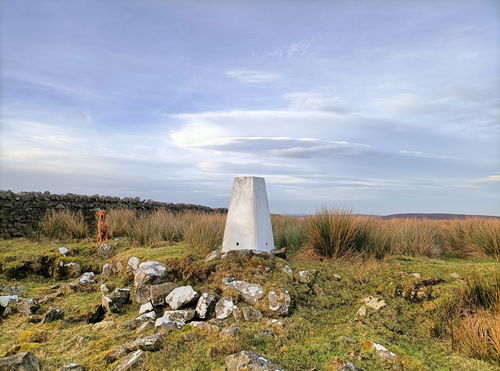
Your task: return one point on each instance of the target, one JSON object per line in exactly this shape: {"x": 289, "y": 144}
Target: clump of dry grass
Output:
{"x": 471, "y": 318}
{"x": 158, "y": 226}
{"x": 473, "y": 237}
{"x": 334, "y": 233}
{"x": 414, "y": 237}
{"x": 121, "y": 221}
{"x": 288, "y": 231}
{"x": 205, "y": 232}
{"x": 63, "y": 224}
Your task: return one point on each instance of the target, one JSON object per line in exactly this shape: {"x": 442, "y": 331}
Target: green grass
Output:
{"x": 323, "y": 316}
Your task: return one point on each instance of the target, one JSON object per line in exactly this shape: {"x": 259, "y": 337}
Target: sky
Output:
{"x": 377, "y": 106}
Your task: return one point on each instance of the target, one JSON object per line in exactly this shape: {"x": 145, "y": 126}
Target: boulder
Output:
{"x": 224, "y": 307}
{"x": 28, "y": 306}
{"x": 116, "y": 301}
{"x": 147, "y": 274}
{"x": 158, "y": 293}
{"x": 179, "y": 315}
{"x": 72, "y": 367}
{"x": 144, "y": 308}
{"x": 250, "y": 292}
{"x": 132, "y": 265}
{"x": 250, "y": 360}
{"x": 151, "y": 343}
{"x": 96, "y": 314}
{"x": 73, "y": 270}
{"x": 181, "y": 296}
{"x": 131, "y": 361}
{"x": 169, "y": 325}
{"x": 21, "y": 361}
{"x": 87, "y": 278}
{"x": 53, "y": 315}
{"x": 135, "y": 323}
{"x": 251, "y": 314}
{"x": 7, "y": 300}
{"x": 205, "y": 308}
{"x": 279, "y": 302}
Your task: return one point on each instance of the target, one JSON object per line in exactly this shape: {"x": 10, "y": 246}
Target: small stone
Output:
{"x": 21, "y": 361}
{"x": 53, "y": 315}
{"x": 105, "y": 250}
{"x": 380, "y": 350}
{"x": 148, "y": 307}
{"x": 341, "y": 365}
{"x": 213, "y": 255}
{"x": 279, "y": 302}
{"x": 106, "y": 270}
{"x": 63, "y": 251}
{"x": 224, "y": 308}
{"x": 72, "y": 367}
{"x": 233, "y": 330}
{"x": 250, "y": 360}
{"x": 361, "y": 311}
{"x": 204, "y": 326}
{"x": 306, "y": 277}
{"x": 454, "y": 275}
{"x": 131, "y": 361}
{"x": 250, "y": 292}
{"x": 105, "y": 288}
{"x": 337, "y": 277}
{"x": 416, "y": 275}
{"x": 288, "y": 270}
{"x": 181, "y": 296}
{"x": 28, "y": 306}
{"x": 205, "y": 308}
{"x": 374, "y": 303}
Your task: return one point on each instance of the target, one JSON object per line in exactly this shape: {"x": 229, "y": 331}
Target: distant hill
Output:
{"x": 435, "y": 216}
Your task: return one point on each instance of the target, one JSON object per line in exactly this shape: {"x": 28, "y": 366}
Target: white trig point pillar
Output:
{"x": 248, "y": 224}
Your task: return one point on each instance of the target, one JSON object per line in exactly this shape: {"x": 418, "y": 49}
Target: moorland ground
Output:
{"x": 439, "y": 280}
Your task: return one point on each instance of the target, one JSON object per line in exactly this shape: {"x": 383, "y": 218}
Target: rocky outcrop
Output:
{"x": 250, "y": 360}
{"x": 21, "y": 361}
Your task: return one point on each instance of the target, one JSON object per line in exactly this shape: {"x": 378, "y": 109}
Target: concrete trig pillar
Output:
{"x": 248, "y": 224}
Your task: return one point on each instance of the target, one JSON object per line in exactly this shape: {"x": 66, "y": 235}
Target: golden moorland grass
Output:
{"x": 330, "y": 233}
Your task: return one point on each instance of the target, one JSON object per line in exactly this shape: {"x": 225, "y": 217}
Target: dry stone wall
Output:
{"x": 21, "y": 212}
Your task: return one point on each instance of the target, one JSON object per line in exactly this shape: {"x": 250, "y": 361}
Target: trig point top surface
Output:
{"x": 248, "y": 224}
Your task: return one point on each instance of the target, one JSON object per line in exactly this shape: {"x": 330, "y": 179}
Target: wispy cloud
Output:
{"x": 253, "y": 76}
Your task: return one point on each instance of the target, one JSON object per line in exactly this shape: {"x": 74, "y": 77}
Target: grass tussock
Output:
{"x": 473, "y": 238}
{"x": 334, "y": 234}
{"x": 471, "y": 318}
{"x": 289, "y": 232}
{"x": 64, "y": 224}
{"x": 414, "y": 237}
{"x": 120, "y": 221}
{"x": 205, "y": 232}
{"x": 158, "y": 226}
